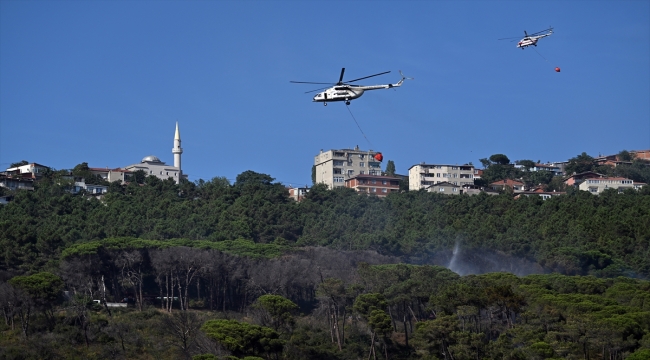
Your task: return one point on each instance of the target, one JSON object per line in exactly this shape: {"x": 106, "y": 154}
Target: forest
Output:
{"x": 213, "y": 270}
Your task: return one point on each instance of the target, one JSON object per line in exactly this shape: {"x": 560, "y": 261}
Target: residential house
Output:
{"x": 545, "y": 195}
{"x": 373, "y": 184}
{"x": 598, "y": 185}
{"x": 613, "y": 160}
{"x": 111, "y": 175}
{"x": 475, "y": 190}
{"x": 548, "y": 167}
{"x": 33, "y": 170}
{"x": 4, "y": 200}
{"x": 16, "y": 182}
{"x": 298, "y": 193}
{"x": 90, "y": 189}
{"x": 577, "y": 179}
{"x": 641, "y": 154}
{"x": 423, "y": 175}
{"x": 446, "y": 188}
{"x": 516, "y": 186}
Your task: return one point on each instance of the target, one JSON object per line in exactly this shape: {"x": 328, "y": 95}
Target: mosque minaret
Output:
{"x": 177, "y": 150}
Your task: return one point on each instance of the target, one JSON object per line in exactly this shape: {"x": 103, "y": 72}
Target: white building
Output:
{"x": 598, "y": 185}
{"x": 90, "y": 189}
{"x": 111, "y": 175}
{"x": 152, "y": 165}
{"x": 32, "y": 170}
{"x": 424, "y": 175}
{"x": 333, "y": 167}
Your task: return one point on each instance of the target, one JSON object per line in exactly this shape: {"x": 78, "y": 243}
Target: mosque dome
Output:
{"x": 151, "y": 158}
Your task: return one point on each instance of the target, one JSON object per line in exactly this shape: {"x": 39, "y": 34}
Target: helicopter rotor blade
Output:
{"x": 341, "y": 77}
{"x": 308, "y": 82}
{"x": 365, "y": 77}
{"x": 310, "y": 91}
{"x": 509, "y": 38}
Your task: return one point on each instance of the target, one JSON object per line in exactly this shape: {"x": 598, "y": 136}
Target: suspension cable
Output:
{"x": 355, "y": 121}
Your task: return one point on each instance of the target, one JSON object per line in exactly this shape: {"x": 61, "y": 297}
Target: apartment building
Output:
{"x": 333, "y": 167}
{"x": 424, "y": 175}
{"x": 373, "y": 184}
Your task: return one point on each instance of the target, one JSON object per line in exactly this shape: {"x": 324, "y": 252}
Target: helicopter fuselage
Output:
{"x": 350, "y": 92}
{"x": 531, "y": 40}
{"x": 339, "y": 93}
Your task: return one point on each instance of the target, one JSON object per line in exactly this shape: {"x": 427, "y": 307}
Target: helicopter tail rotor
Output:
{"x": 405, "y": 77}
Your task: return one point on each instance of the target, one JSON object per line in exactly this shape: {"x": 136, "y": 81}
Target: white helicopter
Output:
{"x": 531, "y": 39}
{"x": 344, "y": 91}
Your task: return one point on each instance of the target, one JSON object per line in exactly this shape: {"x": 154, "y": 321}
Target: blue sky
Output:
{"x": 104, "y": 82}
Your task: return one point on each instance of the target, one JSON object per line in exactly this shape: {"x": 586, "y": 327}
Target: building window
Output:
{"x": 338, "y": 179}
{"x": 455, "y": 190}
{"x": 593, "y": 189}
{"x": 383, "y": 182}
{"x": 337, "y": 171}
{"x": 442, "y": 189}
{"x": 362, "y": 156}
{"x": 338, "y": 162}
{"x": 350, "y": 172}
{"x": 362, "y": 164}
{"x": 438, "y": 175}
{"x": 454, "y": 167}
{"x": 373, "y": 189}
{"x": 374, "y": 181}
{"x": 362, "y": 172}
{"x": 384, "y": 190}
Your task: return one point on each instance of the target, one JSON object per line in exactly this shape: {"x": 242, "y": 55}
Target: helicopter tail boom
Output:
{"x": 399, "y": 83}
{"x": 386, "y": 86}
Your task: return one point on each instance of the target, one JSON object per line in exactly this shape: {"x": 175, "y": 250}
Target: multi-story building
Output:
{"x": 373, "y": 184}
{"x": 33, "y": 170}
{"x": 333, "y": 167}
{"x": 598, "y": 185}
{"x": 424, "y": 175}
